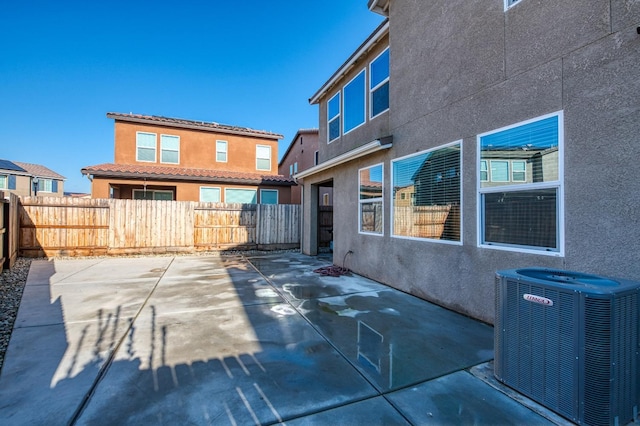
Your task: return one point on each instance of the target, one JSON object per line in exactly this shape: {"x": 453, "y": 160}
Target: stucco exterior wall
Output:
{"x": 459, "y": 69}
{"x": 184, "y": 191}
{"x": 197, "y": 148}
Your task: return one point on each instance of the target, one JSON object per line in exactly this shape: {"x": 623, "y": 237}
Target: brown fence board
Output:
{"x": 66, "y": 226}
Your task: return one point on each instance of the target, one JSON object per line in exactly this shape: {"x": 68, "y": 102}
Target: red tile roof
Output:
{"x": 182, "y": 173}
{"x": 192, "y": 124}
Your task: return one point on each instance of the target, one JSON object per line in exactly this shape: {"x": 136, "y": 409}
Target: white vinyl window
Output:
{"x": 520, "y": 206}
{"x": 146, "y": 147}
{"x": 268, "y": 196}
{"x": 245, "y": 196}
{"x": 140, "y": 194}
{"x": 221, "y": 151}
{"x": 263, "y": 157}
{"x": 4, "y": 182}
{"x": 426, "y": 194}
{"x": 510, "y": 3}
{"x": 209, "y": 194}
{"x": 45, "y": 185}
{"x": 354, "y": 102}
{"x": 370, "y": 199}
{"x": 169, "y": 149}
{"x": 333, "y": 117}
{"x": 379, "y": 84}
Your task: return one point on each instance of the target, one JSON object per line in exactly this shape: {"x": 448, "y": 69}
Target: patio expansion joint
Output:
{"x": 379, "y": 393}
{"x": 105, "y": 367}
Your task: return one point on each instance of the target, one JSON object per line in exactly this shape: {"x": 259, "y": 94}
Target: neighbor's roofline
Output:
{"x": 193, "y": 125}
{"x": 298, "y": 133}
{"x": 372, "y": 40}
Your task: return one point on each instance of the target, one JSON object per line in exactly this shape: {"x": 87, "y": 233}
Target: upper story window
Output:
{"x": 370, "y": 214}
{"x": 221, "y": 151}
{"x": 47, "y": 185}
{"x": 520, "y": 202}
{"x": 4, "y": 182}
{"x": 379, "y": 84}
{"x": 170, "y": 149}
{"x": 354, "y": 102}
{"x": 509, "y": 3}
{"x": 146, "y": 147}
{"x": 333, "y": 117}
{"x": 263, "y": 157}
{"x": 426, "y": 194}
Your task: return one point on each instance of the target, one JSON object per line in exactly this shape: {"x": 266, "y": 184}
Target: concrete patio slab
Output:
{"x": 239, "y": 340}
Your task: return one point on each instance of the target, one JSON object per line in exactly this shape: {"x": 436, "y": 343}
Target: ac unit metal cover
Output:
{"x": 570, "y": 341}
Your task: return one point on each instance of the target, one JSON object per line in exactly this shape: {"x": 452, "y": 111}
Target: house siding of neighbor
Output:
{"x": 302, "y": 154}
{"x": 186, "y": 160}
{"x": 510, "y": 140}
{"x": 27, "y": 179}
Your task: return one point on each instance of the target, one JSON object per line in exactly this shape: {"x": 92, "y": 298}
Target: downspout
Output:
{"x": 301, "y": 218}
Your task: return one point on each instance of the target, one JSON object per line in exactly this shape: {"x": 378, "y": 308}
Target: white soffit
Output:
{"x": 362, "y": 151}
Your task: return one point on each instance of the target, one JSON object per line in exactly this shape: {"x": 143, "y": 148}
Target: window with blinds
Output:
{"x": 370, "y": 213}
{"x": 146, "y": 147}
{"x": 263, "y": 157}
{"x": 521, "y": 189}
{"x": 170, "y": 149}
{"x": 426, "y": 194}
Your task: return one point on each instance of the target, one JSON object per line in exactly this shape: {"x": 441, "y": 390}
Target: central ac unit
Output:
{"x": 570, "y": 341}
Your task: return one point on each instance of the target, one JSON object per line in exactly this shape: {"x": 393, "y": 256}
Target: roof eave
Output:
{"x": 380, "y": 7}
{"x": 371, "y": 41}
{"x": 164, "y": 177}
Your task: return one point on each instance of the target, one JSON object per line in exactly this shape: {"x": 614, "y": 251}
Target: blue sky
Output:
{"x": 65, "y": 64}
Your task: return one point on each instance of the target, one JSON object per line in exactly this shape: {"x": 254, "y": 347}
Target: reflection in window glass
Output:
{"x": 354, "y": 103}
{"x": 526, "y": 155}
{"x": 370, "y": 184}
{"x": 426, "y": 194}
{"x": 379, "y": 84}
{"x": 209, "y": 195}
{"x": 333, "y": 117}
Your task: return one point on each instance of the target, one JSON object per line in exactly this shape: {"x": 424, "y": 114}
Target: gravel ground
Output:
{"x": 11, "y": 285}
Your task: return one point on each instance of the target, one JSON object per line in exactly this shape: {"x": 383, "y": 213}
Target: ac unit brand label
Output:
{"x": 538, "y": 299}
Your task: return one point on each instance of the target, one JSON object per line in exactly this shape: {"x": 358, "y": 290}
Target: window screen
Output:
{"x": 520, "y": 200}
{"x": 145, "y": 147}
{"x": 426, "y": 194}
{"x": 263, "y": 157}
{"x": 169, "y": 149}
{"x": 245, "y": 196}
{"x": 268, "y": 196}
{"x": 221, "y": 151}
{"x": 209, "y": 195}
{"x": 370, "y": 184}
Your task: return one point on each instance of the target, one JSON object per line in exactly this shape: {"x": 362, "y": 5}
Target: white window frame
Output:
{"x": 508, "y": 4}
{"x": 558, "y": 185}
{"x": 270, "y": 190}
{"x": 370, "y": 201}
{"x": 491, "y": 174}
{"x": 363, "y": 72}
{"x": 164, "y": 191}
{"x": 226, "y": 190}
{"x": 225, "y": 152}
{"x": 155, "y": 148}
{"x": 513, "y": 171}
{"x": 338, "y": 117}
{"x": 42, "y": 185}
{"x": 485, "y": 170}
{"x": 162, "y": 148}
{"x": 377, "y": 86}
{"x": 263, "y": 158}
{"x": 4, "y": 181}
{"x": 431, "y": 240}
{"x": 211, "y": 187}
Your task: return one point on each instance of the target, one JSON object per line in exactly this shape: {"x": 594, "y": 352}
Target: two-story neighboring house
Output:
{"x": 502, "y": 134}
{"x": 302, "y": 154}
{"x": 159, "y": 158}
{"x": 27, "y": 179}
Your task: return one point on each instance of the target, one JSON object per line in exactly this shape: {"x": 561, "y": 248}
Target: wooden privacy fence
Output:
{"x": 9, "y": 230}
{"x": 80, "y": 227}
{"x": 420, "y": 221}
